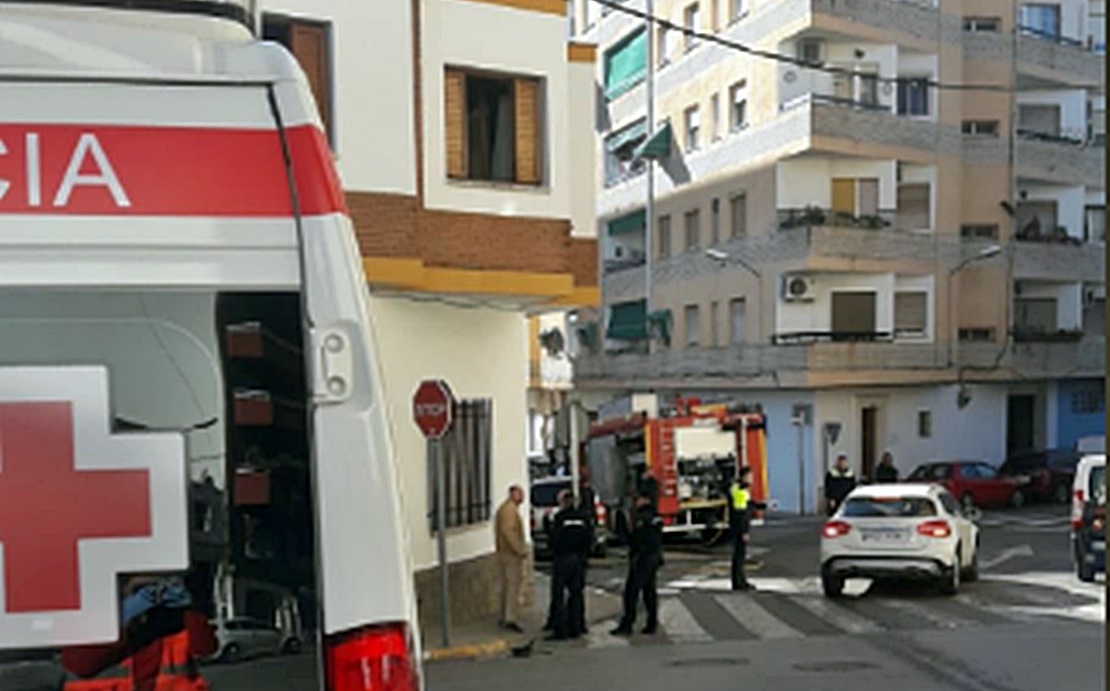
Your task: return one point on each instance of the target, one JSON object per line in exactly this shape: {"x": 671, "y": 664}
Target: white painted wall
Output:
{"x": 1069, "y": 204}
{"x": 792, "y": 317}
{"x": 977, "y": 432}
{"x": 582, "y": 145}
{"x": 1073, "y": 108}
{"x": 142, "y": 353}
{"x": 372, "y": 89}
{"x": 805, "y": 81}
{"x": 519, "y": 42}
{"x": 807, "y": 180}
{"x": 482, "y": 354}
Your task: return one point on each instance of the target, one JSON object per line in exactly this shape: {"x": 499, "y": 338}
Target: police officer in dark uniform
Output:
{"x": 571, "y": 538}
{"x": 740, "y": 522}
{"x": 645, "y": 556}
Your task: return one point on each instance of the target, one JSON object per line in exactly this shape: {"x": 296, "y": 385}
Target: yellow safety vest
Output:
{"x": 740, "y": 498}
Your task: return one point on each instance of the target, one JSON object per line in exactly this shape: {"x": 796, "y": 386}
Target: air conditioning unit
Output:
{"x": 797, "y": 288}
{"x": 811, "y": 50}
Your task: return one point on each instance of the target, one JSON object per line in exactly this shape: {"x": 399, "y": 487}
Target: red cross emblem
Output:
{"x": 78, "y": 506}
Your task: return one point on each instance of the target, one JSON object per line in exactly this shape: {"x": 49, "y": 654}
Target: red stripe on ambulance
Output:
{"x": 109, "y": 170}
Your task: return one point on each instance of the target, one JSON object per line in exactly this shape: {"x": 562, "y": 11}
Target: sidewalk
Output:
{"x": 485, "y": 639}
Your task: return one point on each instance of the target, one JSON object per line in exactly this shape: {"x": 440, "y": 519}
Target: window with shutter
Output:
{"x": 493, "y": 127}
{"x": 911, "y": 313}
{"x": 737, "y": 315}
{"x": 664, "y": 237}
{"x": 913, "y": 207}
{"x": 527, "y": 113}
{"x": 693, "y": 230}
{"x": 454, "y": 100}
{"x": 739, "y": 212}
{"x": 853, "y": 314}
{"x": 308, "y": 41}
{"x": 693, "y": 325}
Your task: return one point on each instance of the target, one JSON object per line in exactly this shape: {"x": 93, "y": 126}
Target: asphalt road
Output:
{"x": 1027, "y": 625}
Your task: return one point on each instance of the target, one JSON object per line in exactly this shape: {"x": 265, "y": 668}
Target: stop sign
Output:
{"x": 433, "y": 408}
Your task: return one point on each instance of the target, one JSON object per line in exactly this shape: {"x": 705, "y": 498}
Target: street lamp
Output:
{"x": 954, "y": 336}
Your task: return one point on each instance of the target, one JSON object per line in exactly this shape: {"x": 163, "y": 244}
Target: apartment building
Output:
{"x": 881, "y": 256}
{"x": 458, "y": 155}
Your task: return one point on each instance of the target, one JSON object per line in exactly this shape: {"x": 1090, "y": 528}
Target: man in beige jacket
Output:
{"x": 511, "y": 553}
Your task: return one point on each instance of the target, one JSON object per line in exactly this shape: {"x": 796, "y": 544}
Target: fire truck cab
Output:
{"x": 693, "y": 452}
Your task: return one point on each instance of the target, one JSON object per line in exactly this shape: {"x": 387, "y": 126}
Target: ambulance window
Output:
{"x": 194, "y": 403}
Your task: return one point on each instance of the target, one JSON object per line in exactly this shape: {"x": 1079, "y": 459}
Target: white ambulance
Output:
{"x": 192, "y": 425}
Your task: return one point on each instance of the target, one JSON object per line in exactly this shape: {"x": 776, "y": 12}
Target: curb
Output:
{"x": 468, "y": 652}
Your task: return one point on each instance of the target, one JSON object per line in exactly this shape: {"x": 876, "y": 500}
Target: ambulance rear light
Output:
{"x": 377, "y": 658}
{"x": 1077, "y": 510}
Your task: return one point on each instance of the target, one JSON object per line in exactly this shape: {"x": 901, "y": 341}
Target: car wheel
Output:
{"x": 1085, "y": 571}
{"x": 231, "y": 653}
{"x": 292, "y": 646}
{"x": 950, "y": 582}
{"x": 832, "y": 585}
{"x": 971, "y": 573}
{"x": 1017, "y": 499}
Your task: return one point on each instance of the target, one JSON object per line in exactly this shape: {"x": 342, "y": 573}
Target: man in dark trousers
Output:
{"x": 839, "y": 483}
{"x": 571, "y": 538}
{"x": 740, "y": 521}
{"x": 645, "y": 556}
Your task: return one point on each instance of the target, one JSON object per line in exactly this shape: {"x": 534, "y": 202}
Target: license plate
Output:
{"x": 896, "y": 535}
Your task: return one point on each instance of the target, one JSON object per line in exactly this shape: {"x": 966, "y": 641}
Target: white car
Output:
{"x": 899, "y": 531}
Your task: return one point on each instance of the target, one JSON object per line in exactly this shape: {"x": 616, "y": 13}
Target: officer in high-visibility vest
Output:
{"x": 740, "y": 521}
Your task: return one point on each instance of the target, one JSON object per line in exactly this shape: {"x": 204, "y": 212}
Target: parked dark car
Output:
{"x": 1042, "y": 475}
{"x": 972, "y": 483}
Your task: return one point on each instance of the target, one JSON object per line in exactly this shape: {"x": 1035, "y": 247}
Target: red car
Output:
{"x": 973, "y": 483}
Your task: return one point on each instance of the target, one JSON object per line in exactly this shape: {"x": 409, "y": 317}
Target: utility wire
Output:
{"x": 789, "y": 59}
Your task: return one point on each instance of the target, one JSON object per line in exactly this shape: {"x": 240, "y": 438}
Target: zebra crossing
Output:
{"x": 784, "y": 609}
{"x": 1025, "y": 521}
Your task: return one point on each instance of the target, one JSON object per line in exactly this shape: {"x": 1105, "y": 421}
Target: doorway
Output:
{"x": 1020, "y": 423}
{"x": 869, "y": 440}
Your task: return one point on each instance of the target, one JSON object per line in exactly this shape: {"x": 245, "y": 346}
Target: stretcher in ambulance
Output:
{"x": 192, "y": 428}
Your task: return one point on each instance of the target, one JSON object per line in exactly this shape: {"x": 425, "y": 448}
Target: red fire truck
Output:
{"x": 693, "y": 452}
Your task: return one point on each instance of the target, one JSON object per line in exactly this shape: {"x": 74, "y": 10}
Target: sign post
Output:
{"x": 433, "y": 410}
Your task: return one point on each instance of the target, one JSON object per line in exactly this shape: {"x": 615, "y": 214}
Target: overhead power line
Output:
{"x": 618, "y": 6}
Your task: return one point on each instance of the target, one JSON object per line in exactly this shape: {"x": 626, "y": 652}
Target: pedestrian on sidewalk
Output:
{"x": 511, "y": 554}
{"x": 839, "y": 483}
{"x": 740, "y": 522}
{"x": 886, "y": 472}
{"x": 571, "y": 537}
{"x": 645, "y": 556}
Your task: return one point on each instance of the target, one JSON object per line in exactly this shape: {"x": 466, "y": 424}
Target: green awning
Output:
{"x": 628, "y": 134}
{"x": 629, "y": 223}
{"x": 626, "y": 64}
{"x": 658, "y": 146}
{"x": 661, "y": 320}
{"x": 627, "y": 321}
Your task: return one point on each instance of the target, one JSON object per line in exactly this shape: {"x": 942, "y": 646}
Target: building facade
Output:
{"x": 457, "y": 155}
{"x": 884, "y": 221}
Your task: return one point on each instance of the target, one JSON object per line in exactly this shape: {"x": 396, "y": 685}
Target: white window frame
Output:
{"x": 692, "y": 122}
{"x": 691, "y": 21}
{"x": 737, "y": 94}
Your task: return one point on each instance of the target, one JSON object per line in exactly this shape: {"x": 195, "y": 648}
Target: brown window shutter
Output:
{"x": 309, "y": 44}
{"x": 454, "y": 103}
{"x": 528, "y": 148}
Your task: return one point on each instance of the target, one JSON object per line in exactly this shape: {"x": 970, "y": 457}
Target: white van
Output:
{"x": 191, "y": 418}
{"x": 1088, "y": 517}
